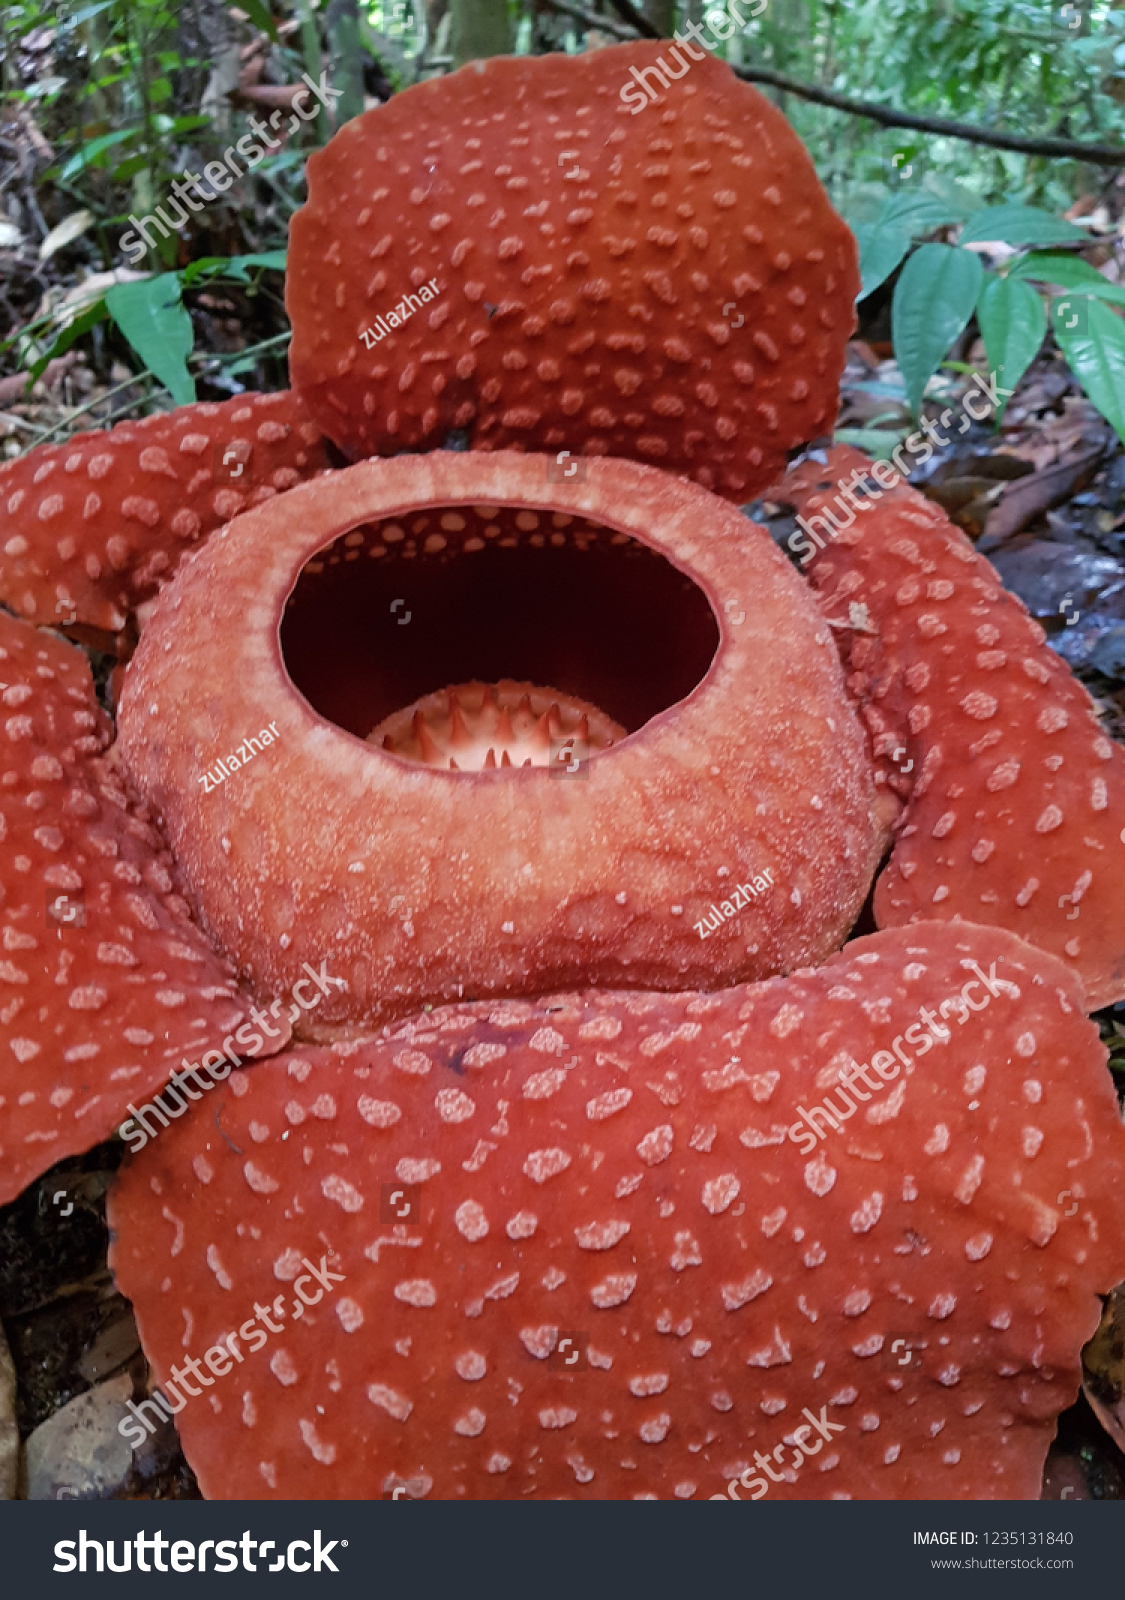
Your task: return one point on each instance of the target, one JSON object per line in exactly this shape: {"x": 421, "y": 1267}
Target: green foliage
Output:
{"x": 80, "y": 325}
{"x": 151, "y": 315}
{"x": 91, "y": 152}
{"x": 934, "y": 299}
{"x": 1095, "y": 349}
{"x": 259, "y": 15}
{"x": 1015, "y": 65}
{"x": 880, "y": 251}
{"x": 942, "y": 285}
{"x": 1069, "y": 272}
{"x": 1012, "y": 324}
{"x": 134, "y": 74}
{"x": 1020, "y": 225}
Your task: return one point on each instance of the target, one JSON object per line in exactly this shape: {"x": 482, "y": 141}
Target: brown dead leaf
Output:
{"x": 1022, "y": 501}
{"x": 278, "y": 96}
{"x": 1103, "y": 1368}
{"x": 13, "y": 389}
{"x": 859, "y": 350}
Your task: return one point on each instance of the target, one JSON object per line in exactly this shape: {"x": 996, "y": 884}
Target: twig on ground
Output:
{"x": 100, "y": 400}
{"x": 219, "y": 356}
{"x": 21, "y": 422}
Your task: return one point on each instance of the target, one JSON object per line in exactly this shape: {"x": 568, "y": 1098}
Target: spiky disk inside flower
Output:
{"x": 614, "y": 1170}
{"x": 345, "y": 601}
{"x": 474, "y": 727}
{"x": 511, "y": 250}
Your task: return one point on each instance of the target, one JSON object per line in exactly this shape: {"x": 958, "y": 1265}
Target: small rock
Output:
{"x": 1108, "y": 654}
{"x": 78, "y": 1454}
{"x": 1063, "y": 1477}
{"x": 9, "y": 1433}
{"x": 115, "y": 1344}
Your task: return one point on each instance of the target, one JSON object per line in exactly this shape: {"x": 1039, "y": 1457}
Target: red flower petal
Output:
{"x": 671, "y": 286}
{"x": 94, "y": 526}
{"x": 614, "y": 1169}
{"x": 103, "y": 994}
{"x": 1017, "y": 816}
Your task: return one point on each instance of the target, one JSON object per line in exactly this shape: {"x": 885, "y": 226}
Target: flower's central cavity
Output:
{"x": 476, "y": 637}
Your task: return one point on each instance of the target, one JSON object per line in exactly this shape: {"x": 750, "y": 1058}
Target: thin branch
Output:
{"x": 1105, "y": 155}
{"x": 591, "y": 19}
{"x": 21, "y": 422}
{"x": 629, "y": 13}
{"x": 99, "y": 400}
{"x": 203, "y": 358}
{"x": 217, "y": 357}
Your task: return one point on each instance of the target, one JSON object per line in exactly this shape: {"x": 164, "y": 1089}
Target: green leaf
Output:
{"x": 880, "y": 251}
{"x": 89, "y": 153}
{"x": 239, "y": 266}
{"x": 207, "y": 267}
{"x": 1015, "y": 224}
{"x": 187, "y": 124}
{"x": 1069, "y": 272}
{"x": 127, "y": 168}
{"x": 1012, "y": 324}
{"x": 151, "y": 316}
{"x": 1096, "y": 353}
{"x": 81, "y": 324}
{"x": 43, "y": 89}
{"x": 877, "y": 442}
{"x": 260, "y": 17}
{"x": 933, "y": 301}
{"x": 919, "y": 213}
{"x": 86, "y": 13}
{"x": 238, "y": 269}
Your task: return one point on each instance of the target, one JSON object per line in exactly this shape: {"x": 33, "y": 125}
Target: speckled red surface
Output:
{"x": 1018, "y": 796}
{"x": 615, "y": 1168}
{"x": 671, "y": 286}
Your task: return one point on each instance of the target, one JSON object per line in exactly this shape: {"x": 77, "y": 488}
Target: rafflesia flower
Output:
{"x": 562, "y": 747}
